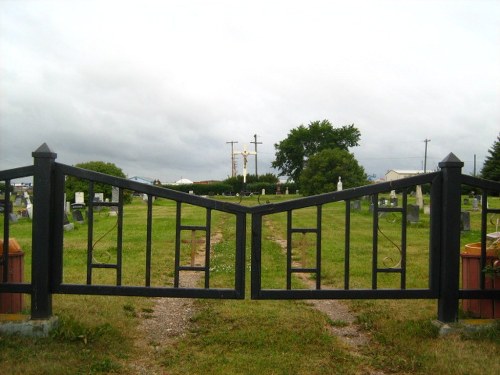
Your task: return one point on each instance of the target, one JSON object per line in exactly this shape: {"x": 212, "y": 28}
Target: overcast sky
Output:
{"x": 159, "y": 87}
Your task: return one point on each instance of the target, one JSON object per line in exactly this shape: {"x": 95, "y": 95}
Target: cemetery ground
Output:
{"x": 126, "y": 335}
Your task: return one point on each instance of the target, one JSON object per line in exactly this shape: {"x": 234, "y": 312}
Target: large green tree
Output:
{"x": 323, "y": 170}
{"x": 491, "y": 167}
{"x": 303, "y": 142}
{"x": 74, "y": 184}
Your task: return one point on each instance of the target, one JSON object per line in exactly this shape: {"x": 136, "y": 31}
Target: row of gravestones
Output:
{"x": 413, "y": 212}
{"x": 76, "y": 208}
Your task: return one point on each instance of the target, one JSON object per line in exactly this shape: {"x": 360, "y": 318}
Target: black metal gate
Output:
{"x": 443, "y": 255}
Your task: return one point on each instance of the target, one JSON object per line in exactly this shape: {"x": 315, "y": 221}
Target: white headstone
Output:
{"x": 339, "y": 184}
{"x": 79, "y": 197}
{"x": 419, "y": 197}
{"x": 114, "y": 194}
{"x": 263, "y": 191}
{"x": 99, "y": 196}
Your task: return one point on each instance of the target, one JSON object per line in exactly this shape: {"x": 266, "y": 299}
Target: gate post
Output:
{"x": 41, "y": 297}
{"x": 451, "y": 169}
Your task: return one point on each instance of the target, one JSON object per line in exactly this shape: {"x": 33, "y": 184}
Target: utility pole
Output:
{"x": 474, "y": 165}
{"x": 425, "y": 157}
{"x": 256, "y": 143}
{"x": 233, "y": 162}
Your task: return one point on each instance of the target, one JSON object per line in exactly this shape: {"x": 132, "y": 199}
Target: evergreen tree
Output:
{"x": 491, "y": 167}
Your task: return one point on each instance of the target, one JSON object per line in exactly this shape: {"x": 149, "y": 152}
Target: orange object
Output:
{"x": 471, "y": 274}
{"x": 12, "y": 303}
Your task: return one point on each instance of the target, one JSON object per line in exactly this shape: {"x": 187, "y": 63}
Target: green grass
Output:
{"x": 97, "y": 334}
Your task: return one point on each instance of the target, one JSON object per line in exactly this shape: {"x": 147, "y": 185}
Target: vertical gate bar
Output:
{"x": 484, "y": 229}
{"x": 435, "y": 233}
{"x": 177, "y": 244}
{"x": 318, "y": 246}
{"x": 90, "y": 234}
{"x": 41, "y": 296}
{"x": 241, "y": 238}
{"x": 451, "y": 168}
{"x": 6, "y": 228}
{"x": 289, "y": 250}
{"x": 207, "y": 248}
{"x": 347, "y": 243}
{"x": 256, "y": 254}
{"x": 404, "y": 239}
{"x": 119, "y": 239}
{"x": 58, "y": 228}
{"x": 375, "y": 243}
{"x": 149, "y": 229}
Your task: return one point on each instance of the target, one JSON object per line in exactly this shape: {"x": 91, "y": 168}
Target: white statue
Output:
{"x": 245, "y": 154}
{"x": 339, "y": 184}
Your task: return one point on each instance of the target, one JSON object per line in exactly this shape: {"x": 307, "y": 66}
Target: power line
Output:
{"x": 256, "y": 143}
{"x": 233, "y": 162}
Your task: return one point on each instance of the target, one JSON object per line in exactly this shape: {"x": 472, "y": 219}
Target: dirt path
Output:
{"x": 170, "y": 320}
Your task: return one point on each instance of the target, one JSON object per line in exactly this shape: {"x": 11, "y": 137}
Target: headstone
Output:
{"x": 13, "y": 218}
{"x": 77, "y": 216}
{"x": 113, "y": 211}
{"x": 79, "y": 197}
{"x": 66, "y": 224}
{"x": 115, "y": 194}
{"x": 29, "y": 209}
{"x": 99, "y": 197}
{"x": 18, "y": 201}
{"x": 393, "y": 194}
{"x": 263, "y": 192}
{"x": 339, "y": 184}
{"x": 412, "y": 213}
{"x": 475, "y": 204}
{"x": 419, "y": 196}
{"x": 465, "y": 221}
{"x": 427, "y": 210}
{"x": 394, "y": 202}
{"x": 286, "y": 191}
{"x": 356, "y": 205}
{"x": 466, "y": 201}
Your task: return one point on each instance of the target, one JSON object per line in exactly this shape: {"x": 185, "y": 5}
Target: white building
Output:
{"x": 397, "y": 174}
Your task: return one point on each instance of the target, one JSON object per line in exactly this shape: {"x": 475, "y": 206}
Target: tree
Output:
{"x": 491, "y": 167}
{"x": 74, "y": 184}
{"x": 323, "y": 170}
{"x": 303, "y": 142}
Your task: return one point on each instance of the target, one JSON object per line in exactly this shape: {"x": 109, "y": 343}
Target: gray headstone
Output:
{"x": 466, "y": 201}
{"x": 13, "y": 218}
{"x": 475, "y": 204}
{"x": 394, "y": 202}
{"x": 356, "y": 205}
{"x": 79, "y": 197}
{"x": 18, "y": 201}
{"x": 413, "y": 213}
{"x": 115, "y": 194}
{"x": 465, "y": 221}
{"x": 77, "y": 216}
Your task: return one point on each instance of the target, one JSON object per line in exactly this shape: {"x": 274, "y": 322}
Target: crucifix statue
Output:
{"x": 245, "y": 154}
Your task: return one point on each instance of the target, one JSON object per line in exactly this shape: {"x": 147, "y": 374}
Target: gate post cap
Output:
{"x": 44, "y": 151}
{"x": 451, "y": 161}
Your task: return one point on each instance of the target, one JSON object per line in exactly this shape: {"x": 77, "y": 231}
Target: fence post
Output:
{"x": 451, "y": 169}
{"x": 41, "y": 297}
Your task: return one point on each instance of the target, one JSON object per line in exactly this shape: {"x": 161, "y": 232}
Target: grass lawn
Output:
{"x": 97, "y": 334}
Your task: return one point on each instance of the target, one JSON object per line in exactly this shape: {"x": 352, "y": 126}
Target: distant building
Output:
{"x": 397, "y": 174}
{"x": 143, "y": 180}
{"x": 184, "y": 181}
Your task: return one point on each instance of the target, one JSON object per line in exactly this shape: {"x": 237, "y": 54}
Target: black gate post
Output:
{"x": 41, "y": 297}
{"x": 451, "y": 168}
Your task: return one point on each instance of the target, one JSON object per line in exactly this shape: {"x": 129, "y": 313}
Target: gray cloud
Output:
{"x": 158, "y": 88}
